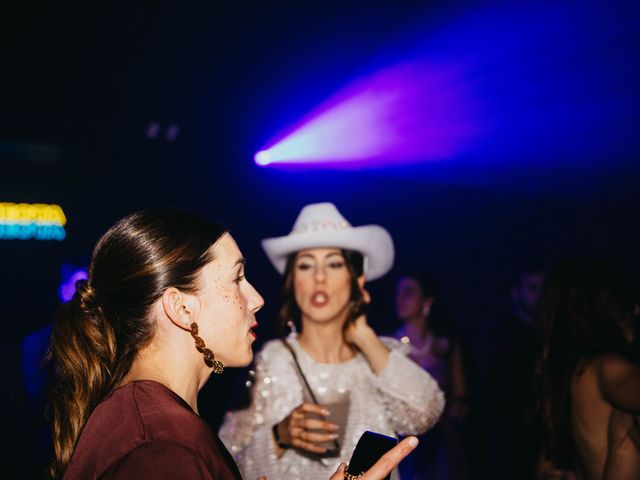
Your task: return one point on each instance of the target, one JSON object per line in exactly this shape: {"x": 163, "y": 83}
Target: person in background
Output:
{"x": 165, "y": 306}
{"x": 325, "y": 263}
{"x": 514, "y": 432}
{"x": 437, "y": 347}
{"x": 588, "y": 374}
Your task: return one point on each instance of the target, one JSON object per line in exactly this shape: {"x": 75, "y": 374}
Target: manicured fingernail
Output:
{"x": 333, "y": 426}
{"x": 325, "y": 412}
{"x": 333, "y": 436}
{"x": 413, "y": 441}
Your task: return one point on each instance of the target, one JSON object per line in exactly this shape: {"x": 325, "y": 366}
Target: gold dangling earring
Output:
{"x": 209, "y": 358}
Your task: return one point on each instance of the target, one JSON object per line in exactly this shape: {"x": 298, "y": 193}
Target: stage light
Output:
{"x": 406, "y": 113}
{"x": 481, "y": 95}
{"x": 263, "y": 158}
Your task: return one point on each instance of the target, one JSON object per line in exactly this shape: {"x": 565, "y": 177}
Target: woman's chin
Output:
{"x": 327, "y": 316}
{"x": 239, "y": 361}
{"x": 248, "y": 358}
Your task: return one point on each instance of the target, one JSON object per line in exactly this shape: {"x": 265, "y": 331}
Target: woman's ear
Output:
{"x": 178, "y": 307}
{"x": 365, "y": 294}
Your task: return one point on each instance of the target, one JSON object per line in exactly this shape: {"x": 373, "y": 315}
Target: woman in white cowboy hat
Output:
{"x": 336, "y": 367}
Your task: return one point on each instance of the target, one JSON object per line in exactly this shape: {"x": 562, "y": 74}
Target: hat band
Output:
{"x": 321, "y": 226}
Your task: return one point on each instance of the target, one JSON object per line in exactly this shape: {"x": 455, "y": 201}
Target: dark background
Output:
{"x": 81, "y": 84}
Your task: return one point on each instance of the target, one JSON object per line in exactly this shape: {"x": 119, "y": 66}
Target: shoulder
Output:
{"x": 619, "y": 381}
{"x": 134, "y": 415}
{"x": 272, "y": 350}
{"x": 611, "y": 368}
{"x": 143, "y": 420}
{"x": 169, "y": 460}
{"x": 161, "y": 460}
{"x": 271, "y": 346}
{"x": 396, "y": 345}
{"x": 166, "y": 416}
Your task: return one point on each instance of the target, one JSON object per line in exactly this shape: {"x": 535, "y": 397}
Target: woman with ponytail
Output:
{"x": 166, "y": 305}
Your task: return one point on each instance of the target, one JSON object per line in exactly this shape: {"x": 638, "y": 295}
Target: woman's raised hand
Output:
{"x": 359, "y": 332}
{"x": 385, "y": 464}
{"x": 301, "y": 430}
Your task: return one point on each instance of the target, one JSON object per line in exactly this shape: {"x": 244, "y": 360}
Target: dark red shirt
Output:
{"x": 144, "y": 430}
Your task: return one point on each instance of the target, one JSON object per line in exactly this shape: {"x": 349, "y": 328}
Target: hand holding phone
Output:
{"x": 370, "y": 448}
{"x": 382, "y": 468}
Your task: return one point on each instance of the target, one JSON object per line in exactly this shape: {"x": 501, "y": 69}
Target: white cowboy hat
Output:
{"x": 321, "y": 225}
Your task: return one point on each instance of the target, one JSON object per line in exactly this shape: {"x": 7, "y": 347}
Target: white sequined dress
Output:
{"x": 402, "y": 399}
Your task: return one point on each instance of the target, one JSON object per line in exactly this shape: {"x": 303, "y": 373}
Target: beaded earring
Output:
{"x": 209, "y": 358}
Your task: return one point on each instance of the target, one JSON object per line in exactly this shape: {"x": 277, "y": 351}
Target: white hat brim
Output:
{"x": 372, "y": 241}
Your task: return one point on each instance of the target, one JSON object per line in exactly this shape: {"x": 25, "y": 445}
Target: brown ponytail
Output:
{"x": 97, "y": 335}
{"x": 84, "y": 347}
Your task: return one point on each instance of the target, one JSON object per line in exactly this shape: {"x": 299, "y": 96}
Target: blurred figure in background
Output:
{"x": 589, "y": 374}
{"x": 437, "y": 347}
{"x": 514, "y": 435}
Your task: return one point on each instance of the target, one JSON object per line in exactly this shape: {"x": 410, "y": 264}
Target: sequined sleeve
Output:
{"x": 247, "y": 433}
{"x": 411, "y": 396}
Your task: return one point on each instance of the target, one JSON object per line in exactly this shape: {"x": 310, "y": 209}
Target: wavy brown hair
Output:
{"x": 586, "y": 305}
{"x": 290, "y": 312}
{"x": 98, "y": 333}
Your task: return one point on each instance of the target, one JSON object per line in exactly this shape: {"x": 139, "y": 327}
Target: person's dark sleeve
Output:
{"x": 159, "y": 460}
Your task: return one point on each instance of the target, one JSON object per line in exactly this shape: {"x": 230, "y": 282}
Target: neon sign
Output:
{"x": 39, "y": 221}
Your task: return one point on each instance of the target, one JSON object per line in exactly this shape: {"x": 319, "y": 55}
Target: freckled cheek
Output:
{"x": 238, "y": 301}
{"x": 228, "y": 296}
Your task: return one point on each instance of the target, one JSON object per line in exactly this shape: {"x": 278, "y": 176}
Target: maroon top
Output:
{"x": 144, "y": 430}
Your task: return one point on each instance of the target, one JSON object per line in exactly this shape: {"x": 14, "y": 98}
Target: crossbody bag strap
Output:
{"x": 299, "y": 368}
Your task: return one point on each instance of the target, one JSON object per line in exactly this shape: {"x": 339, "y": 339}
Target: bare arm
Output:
{"x": 412, "y": 398}
{"x": 619, "y": 382}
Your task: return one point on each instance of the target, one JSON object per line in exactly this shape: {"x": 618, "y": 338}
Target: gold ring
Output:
{"x": 350, "y": 476}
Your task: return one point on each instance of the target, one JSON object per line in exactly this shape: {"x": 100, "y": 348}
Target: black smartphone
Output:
{"x": 371, "y": 446}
